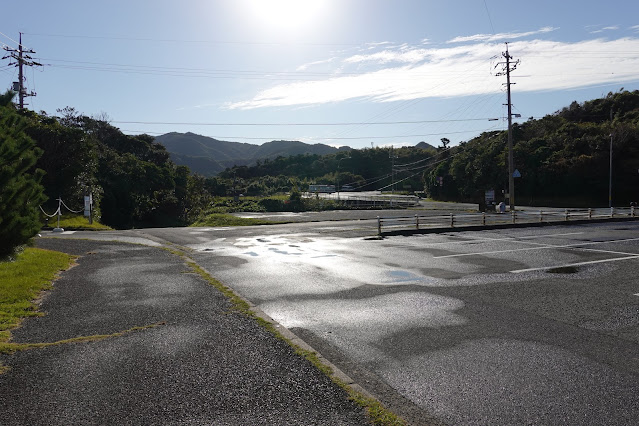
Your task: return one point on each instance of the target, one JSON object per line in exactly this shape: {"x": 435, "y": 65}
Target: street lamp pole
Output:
{"x": 610, "y": 168}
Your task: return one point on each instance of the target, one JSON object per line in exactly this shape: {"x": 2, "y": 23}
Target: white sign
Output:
{"x": 88, "y": 200}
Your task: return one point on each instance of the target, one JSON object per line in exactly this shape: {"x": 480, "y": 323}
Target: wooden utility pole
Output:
{"x": 22, "y": 59}
{"x": 510, "y": 66}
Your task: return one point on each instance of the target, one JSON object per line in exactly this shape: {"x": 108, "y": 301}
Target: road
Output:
{"x": 511, "y": 326}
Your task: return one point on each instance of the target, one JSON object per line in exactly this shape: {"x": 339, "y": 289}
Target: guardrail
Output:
{"x": 453, "y": 220}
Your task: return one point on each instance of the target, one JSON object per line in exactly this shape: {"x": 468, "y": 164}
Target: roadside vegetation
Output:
{"x": 76, "y": 222}
{"x": 22, "y": 281}
{"x": 225, "y": 219}
{"x": 563, "y": 159}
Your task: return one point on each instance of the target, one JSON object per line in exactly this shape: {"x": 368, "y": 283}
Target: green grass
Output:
{"x": 21, "y": 282}
{"x": 70, "y": 221}
{"x": 223, "y": 219}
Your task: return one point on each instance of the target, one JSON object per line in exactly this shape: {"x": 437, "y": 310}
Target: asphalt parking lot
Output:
{"x": 510, "y": 326}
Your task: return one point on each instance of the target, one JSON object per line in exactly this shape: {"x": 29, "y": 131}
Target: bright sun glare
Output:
{"x": 286, "y": 16}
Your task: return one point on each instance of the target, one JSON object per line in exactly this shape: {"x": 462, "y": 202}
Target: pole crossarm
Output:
{"x": 22, "y": 58}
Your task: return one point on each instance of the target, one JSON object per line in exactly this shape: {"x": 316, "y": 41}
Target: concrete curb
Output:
{"x": 295, "y": 341}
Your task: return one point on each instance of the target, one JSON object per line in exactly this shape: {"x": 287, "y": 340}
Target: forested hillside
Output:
{"x": 563, "y": 158}
{"x": 364, "y": 169}
{"x": 131, "y": 178}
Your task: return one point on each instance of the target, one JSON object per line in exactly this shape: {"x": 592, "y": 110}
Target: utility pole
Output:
{"x": 22, "y": 59}
{"x": 509, "y": 67}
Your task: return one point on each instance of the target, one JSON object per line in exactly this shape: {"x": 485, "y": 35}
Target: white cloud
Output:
{"x": 303, "y": 67}
{"x": 500, "y": 36}
{"x": 597, "y": 29}
{"x": 404, "y": 55}
{"x": 463, "y": 70}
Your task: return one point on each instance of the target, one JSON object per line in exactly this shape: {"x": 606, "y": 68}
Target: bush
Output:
{"x": 20, "y": 191}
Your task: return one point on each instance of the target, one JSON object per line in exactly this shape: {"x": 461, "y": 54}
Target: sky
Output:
{"x": 359, "y": 73}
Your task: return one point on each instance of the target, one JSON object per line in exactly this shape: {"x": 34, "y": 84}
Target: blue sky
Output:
{"x": 339, "y": 72}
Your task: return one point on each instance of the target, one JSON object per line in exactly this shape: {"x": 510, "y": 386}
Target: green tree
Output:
{"x": 20, "y": 190}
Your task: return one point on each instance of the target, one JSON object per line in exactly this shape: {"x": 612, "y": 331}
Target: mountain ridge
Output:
{"x": 209, "y": 156}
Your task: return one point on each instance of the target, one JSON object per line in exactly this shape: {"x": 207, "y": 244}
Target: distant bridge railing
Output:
{"x": 357, "y": 200}
{"x": 458, "y": 220}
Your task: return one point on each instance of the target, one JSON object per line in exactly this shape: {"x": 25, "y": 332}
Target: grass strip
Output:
{"x": 21, "y": 282}
{"x": 375, "y": 411}
{"x": 76, "y": 222}
{"x": 224, "y": 219}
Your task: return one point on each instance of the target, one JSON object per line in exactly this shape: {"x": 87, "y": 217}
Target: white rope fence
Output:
{"x": 67, "y": 207}
{"x": 58, "y": 213}
{"x": 50, "y": 215}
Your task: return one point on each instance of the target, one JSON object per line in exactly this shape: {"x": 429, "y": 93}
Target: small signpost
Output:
{"x": 88, "y": 206}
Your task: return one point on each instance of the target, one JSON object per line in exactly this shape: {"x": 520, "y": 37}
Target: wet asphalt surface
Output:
{"x": 470, "y": 327}
{"x": 500, "y": 327}
{"x": 201, "y": 364}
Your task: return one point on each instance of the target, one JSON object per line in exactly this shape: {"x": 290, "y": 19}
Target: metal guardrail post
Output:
{"x": 406, "y": 222}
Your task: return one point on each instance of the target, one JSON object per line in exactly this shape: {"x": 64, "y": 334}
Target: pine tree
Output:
{"x": 20, "y": 189}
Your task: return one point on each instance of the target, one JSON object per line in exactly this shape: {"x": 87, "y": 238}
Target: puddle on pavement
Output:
{"x": 278, "y": 251}
{"x": 404, "y": 276}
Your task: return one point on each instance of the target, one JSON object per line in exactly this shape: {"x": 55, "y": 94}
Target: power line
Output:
{"x": 489, "y": 20}
{"x": 230, "y": 42}
{"x": 176, "y": 123}
{"x": 328, "y": 138}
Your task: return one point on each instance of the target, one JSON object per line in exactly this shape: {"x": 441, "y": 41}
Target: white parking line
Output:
{"x": 473, "y": 239}
{"x": 529, "y": 236}
{"x": 547, "y": 246}
{"x": 518, "y": 271}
